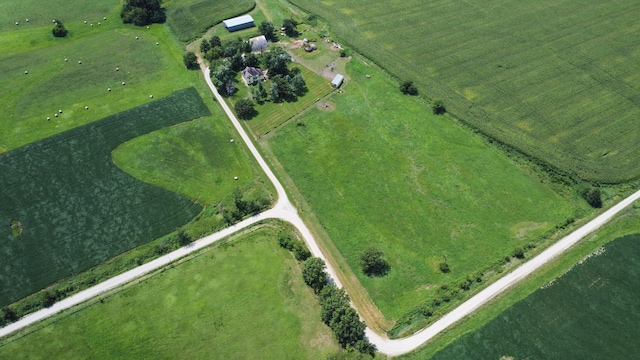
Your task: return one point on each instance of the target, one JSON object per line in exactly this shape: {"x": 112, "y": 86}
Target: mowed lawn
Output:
{"x": 53, "y": 84}
{"x": 75, "y": 207}
{"x": 189, "y": 19}
{"x": 589, "y": 313}
{"x": 557, "y": 79}
{"x": 243, "y": 300}
{"x": 378, "y": 169}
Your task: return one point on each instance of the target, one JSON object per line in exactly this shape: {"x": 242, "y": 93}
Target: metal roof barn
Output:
{"x": 239, "y": 23}
{"x": 337, "y": 81}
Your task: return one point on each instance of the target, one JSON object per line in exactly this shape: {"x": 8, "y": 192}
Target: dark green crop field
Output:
{"x": 75, "y": 207}
{"x": 189, "y": 19}
{"x": 557, "y": 79}
{"x": 589, "y": 313}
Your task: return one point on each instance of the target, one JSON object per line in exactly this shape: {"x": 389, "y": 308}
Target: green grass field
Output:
{"x": 40, "y": 13}
{"x": 189, "y": 19}
{"x": 195, "y": 159}
{"x": 377, "y": 169}
{"x": 53, "y": 84}
{"x": 556, "y": 79}
{"x": 589, "y": 313}
{"x": 270, "y": 115}
{"x": 243, "y": 300}
{"x": 76, "y": 207}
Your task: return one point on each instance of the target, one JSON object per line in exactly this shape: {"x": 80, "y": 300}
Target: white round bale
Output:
{"x": 235, "y": 178}
{"x": 108, "y": 89}
{"x": 91, "y": 24}
{"x": 48, "y": 118}
{"x": 150, "y": 96}
{"x": 56, "y": 115}
{"x": 98, "y": 24}
{"x": 231, "y": 140}
{"x": 157, "y": 43}
{"x": 66, "y": 60}
{"x": 79, "y": 62}
{"x": 117, "y": 69}
{"x": 104, "y": 18}
{"x": 123, "y": 83}
{"x": 60, "y": 111}
{"x": 26, "y": 72}
{"x": 86, "y": 108}
{"x": 136, "y": 38}
{"x": 85, "y": 21}
{"x": 27, "y": 20}
{"x": 17, "y": 23}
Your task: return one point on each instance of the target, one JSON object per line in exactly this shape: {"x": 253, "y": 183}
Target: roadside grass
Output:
{"x": 555, "y": 79}
{"x": 189, "y": 19}
{"x": 53, "y": 84}
{"x": 271, "y": 115}
{"x": 377, "y": 169}
{"x": 242, "y": 299}
{"x": 76, "y": 207}
{"x": 624, "y": 224}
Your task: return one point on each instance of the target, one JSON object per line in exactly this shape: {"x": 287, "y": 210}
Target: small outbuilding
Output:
{"x": 252, "y": 75}
{"x": 239, "y": 23}
{"x": 259, "y": 43}
{"x": 337, "y": 81}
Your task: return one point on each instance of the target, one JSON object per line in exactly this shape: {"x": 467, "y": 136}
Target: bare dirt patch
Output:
{"x": 326, "y": 106}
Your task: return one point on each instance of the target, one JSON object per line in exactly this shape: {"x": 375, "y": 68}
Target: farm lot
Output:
{"x": 76, "y": 208}
{"x": 588, "y": 313}
{"x": 556, "y": 79}
{"x": 211, "y": 306}
{"x": 377, "y": 169}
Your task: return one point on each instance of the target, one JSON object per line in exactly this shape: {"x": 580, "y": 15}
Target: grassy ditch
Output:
{"x": 527, "y": 74}
{"x": 218, "y": 295}
{"x": 378, "y": 170}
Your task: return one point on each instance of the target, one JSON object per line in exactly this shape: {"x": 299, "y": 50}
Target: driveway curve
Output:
{"x": 284, "y": 210}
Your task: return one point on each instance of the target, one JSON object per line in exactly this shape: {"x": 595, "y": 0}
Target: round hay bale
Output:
{"x": 27, "y": 20}
{"x": 147, "y": 27}
{"x": 235, "y": 178}
{"x": 79, "y": 62}
{"x": 98, "y": 24}
{"x": 150, "y": 96}
{"x": 86, "y": 108}
{"x": 66, "y": 60}
{"x": 123, "y": 83}
{"x": 56, "y": 115}
{"x": 17, "y": 23}
{"x": 104, "y": 18}
{"x": 231, "y": 140}
{"x": 117, "y": 69}
{"x": 157, "y": 43}
{"x": 108, "y": 89}
{"x": 85, "y": 21}
{"x": 26, "y": 72}
{"x": 91, "y": 24}
{"x": 48, "y": 118}
{"x": 53, "y": 21}
{"x": 368, "y": 76}
{"x": 60, "y": 111}
{"x": 137, "y": 38}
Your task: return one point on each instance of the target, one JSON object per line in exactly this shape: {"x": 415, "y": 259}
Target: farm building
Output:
{"x": 252, "y": 75}
{"x": 337, "y": 81}
{"x": 258, "y": 43}
{"x": 239, "y": 23}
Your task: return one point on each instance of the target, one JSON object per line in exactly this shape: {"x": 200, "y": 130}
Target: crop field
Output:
{"x": 270, "y": 115}
{"x": 75, "y": 207}
{"x": 377, "y": 169}
{"x": 189, "y": 19}
{"x": 589, "y": 313}
{"x": 212, "y": 306}
{"x": 556, "y": 79}
{"x": 52, "y": 84}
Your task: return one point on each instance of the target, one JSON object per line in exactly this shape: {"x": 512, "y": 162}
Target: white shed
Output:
{"x": 337, "y": 81}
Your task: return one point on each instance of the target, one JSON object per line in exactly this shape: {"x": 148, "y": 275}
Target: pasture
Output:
{"x": 76, "y": 208}
{"x": 377, "y": 169}
{"x": 54, "y": 84}
{"x": 588, "y": 313}
{"x": 211, "y": 306}
{"x": 189, "y": 19}
{"x": 555, "y": 79}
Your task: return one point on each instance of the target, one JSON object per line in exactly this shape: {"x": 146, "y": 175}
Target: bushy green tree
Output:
{"x": 289, "y": 26}
{"x": 267, "y": 29}
{"x": 408, "y": 88}
{"x": 276, "y": 62}
{"x": 190, "y": 61}
{"x": 300, "y": 251}
{"x": 373, "y": 262}
{"x": 59, "y": 29}
{"x": 313, "y": 274}
{"x": 518, "y": 252}
{"x": 593, "y": 197}
{"x": 244, "y": 109}
{"x": 142, "y": 12}
{"x": 438, "y": 107}
{"x": 184, "y": 238}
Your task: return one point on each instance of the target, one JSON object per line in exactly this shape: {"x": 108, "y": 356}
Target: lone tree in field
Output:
{"x": 289, "y": 26}
{"x": 593, "y": 197}
{"x": 244, "y": 109}
{"x": 373, "y": 262}
{"x": 408, "y": 88}
{"x": 518, "y": 252}
{"x": 184, "y": 238}
{"x": 59, "y": 30}
{"x": 190, "y": 60}
{"x": 143, "y": 12}
{"x": 438, "y": 107}
{"x": 444, "y": 266}
{"x": 313, "y": 274}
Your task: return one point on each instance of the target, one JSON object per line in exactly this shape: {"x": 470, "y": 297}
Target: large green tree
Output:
{"x": 244, "y": 109}
{"x": 373, "y": 262}
{"x": 142, "y": 12}
{"x": 313, "y": 274}
{"x": 267, "y": 29}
